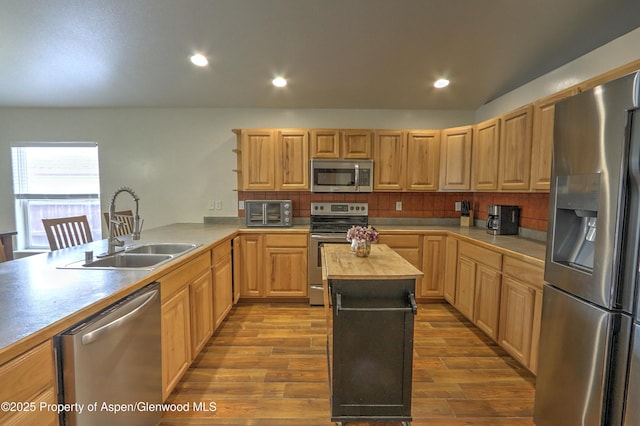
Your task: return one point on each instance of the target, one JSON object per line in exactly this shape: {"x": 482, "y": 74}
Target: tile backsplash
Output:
{"x": 533, "y": 214}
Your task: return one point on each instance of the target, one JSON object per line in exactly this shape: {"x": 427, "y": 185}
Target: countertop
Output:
{"x": 39, "y": 300}
{"x": 382, "y": 264}
{"x": 532, "y": 251}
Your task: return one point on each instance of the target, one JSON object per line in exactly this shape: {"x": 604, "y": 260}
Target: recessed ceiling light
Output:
{"x": 441, "y": 83}
{"x": 199, "y": 60}
{"x": 279, "y": 82}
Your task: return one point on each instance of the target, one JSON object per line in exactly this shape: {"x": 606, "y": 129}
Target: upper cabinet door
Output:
{"x": 515, "y": 149}
{"x": 293, "y": 159}
{"x": 486, "y": 150}
{"x": 356, "y": 144}
{"x": 389, "y": 160}
{"x": 455, "y": 158}
{"x": 258, "y": 150}
{"x": 325, "y": 143}
{"x": 542, "y": 142}
{"x": 423, "y": 160}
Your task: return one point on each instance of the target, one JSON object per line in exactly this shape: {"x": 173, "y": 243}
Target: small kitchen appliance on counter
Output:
{"x": 503, "y": 220}
{"x": 272, "y": 213}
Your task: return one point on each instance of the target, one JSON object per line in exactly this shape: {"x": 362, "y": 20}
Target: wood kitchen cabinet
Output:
{"x": 478, "y": 286}
{"x": 222, "y": 282}
{"x": 389, "y": 160}
{"x": 356, "y": 144}
{"x": 256, "y": 155}
{"x": 520, "y": 310}
{"x": 29, "y": 378}
{"x": 423, "y": 160}
{"x": 347, "y": 144}
{"x": 455, "y": 158}
{"x": 450, "y": 269}
{"x": 187, "y": 317}
{"x": 433, "y": 266}
{"x": 274, "y": 265}
{"x": 237, "y": 269}
{"x": 176, "y": 341}
{"x": 515, "y": 149}
{"x": 292, "y": 165}
{"x": 409, "y": 247}
{"x": 486, "y": 152}
{"x": 542, "y": 140}
{"x": 271, "y": 159}
{"x": 286, "y": 265}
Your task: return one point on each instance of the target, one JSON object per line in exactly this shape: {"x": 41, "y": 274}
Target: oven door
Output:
{"x": 316, "y": 241}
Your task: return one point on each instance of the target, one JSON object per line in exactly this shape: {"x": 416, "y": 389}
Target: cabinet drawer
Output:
{"x": 408, "y": 241}
{"x": 480, "y": 255}
{"x": 178, "y": 278}
{"x": 26, "y": 377}
{"x": 221, "y": 251}
{"x": 286, "y": 240}
{"x": 523, "y": 271}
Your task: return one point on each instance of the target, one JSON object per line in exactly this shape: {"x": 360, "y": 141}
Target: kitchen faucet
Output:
{"x": 136, "y": 226}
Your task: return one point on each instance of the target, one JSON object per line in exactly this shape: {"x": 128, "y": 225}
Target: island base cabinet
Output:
{"x": 371, "y": 353}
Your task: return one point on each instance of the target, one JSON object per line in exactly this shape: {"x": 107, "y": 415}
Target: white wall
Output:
{"x": 620, "y": 51}
{"x": 177, "y": 160}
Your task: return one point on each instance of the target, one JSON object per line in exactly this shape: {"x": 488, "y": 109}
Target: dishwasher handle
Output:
{"x": 94, "y": 335}
{"x": 411, "y": 299}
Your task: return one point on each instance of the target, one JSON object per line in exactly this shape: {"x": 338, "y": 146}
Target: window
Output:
{"x": 53, "y": 180}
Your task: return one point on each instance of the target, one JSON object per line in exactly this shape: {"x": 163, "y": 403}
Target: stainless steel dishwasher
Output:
{"x": 109, "y": 366}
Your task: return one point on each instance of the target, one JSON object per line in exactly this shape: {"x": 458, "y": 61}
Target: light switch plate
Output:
{"x": 398, "y": 205}
{"x": 240, "y": 205}
{"x": 458, "y": 206}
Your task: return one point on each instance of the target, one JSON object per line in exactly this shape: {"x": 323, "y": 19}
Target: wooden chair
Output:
{"x": 126, "y": 219}
{"x": 67, "y": 231}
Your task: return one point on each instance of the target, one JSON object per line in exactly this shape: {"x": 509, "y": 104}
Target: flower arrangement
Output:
{"x": 361, "y": 234}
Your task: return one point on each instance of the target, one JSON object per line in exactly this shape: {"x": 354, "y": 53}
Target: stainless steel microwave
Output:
{"x": 276, "y": 213}
{"x": 341, "y": 175}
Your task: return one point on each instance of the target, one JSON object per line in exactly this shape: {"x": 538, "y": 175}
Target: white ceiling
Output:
{"x": 335, "y": 53}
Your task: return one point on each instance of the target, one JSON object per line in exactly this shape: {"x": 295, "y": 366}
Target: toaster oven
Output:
{"x": 273, "y": 213}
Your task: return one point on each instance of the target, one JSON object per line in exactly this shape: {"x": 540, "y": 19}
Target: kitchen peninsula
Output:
{"x": 369, "y": 333}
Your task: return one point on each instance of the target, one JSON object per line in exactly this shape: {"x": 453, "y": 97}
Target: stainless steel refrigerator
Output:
{"x": 591, "y": 264}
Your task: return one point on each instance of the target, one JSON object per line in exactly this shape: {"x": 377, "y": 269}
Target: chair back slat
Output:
{"x": 125, "y": 218}
{"x": 67, "y": 231}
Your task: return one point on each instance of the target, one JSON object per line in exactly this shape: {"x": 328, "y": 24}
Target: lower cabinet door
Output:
{"x": 176, "y": 342}
{"x": 516, "y": 319}
{"x": 201, "y": 304}
{"x": 486, "y": 312}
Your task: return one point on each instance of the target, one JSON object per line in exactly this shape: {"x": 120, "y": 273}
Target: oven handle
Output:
{"x": 330, "y": 237}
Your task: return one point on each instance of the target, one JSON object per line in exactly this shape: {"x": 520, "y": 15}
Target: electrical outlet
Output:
{"x": 458, "y": 206}
{"x": 212, "y": 205}
{"x": 398, "y": 205}
{"x": 218, "y": 205}
{"x": 240, "y": 205}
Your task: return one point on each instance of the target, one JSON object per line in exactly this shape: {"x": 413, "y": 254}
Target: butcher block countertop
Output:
{"x": 382, "y": 264}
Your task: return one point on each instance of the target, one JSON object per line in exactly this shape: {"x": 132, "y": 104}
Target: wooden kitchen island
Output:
{"x": 370, "y": 305}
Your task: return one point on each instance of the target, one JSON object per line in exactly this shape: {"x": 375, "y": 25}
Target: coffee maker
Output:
{"x": 503, "y": 220}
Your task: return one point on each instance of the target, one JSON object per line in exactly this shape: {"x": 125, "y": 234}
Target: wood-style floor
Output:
{"x": 266, "y": 365}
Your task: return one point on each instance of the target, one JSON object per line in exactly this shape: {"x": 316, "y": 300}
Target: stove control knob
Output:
{"x": 286, "y": 205}
{"x": 350, "y": 207}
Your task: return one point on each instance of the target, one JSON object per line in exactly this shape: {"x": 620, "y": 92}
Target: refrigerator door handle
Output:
{"x": 636, "y": 90}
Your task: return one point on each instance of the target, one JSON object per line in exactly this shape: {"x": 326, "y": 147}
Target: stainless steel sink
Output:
{"x": 129, "y": 260}
{"x": 144, "y": 256}
{"x": 162, "y": 248}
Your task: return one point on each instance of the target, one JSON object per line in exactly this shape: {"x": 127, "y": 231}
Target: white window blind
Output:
{"x": 52, "y": 180}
